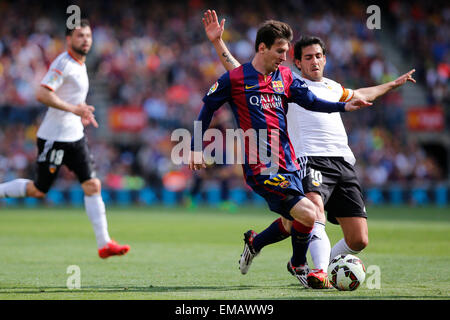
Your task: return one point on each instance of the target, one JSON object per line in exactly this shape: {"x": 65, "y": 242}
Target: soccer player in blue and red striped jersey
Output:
{"x": 259, "y": 93}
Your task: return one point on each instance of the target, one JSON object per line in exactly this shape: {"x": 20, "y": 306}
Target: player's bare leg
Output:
{"x": 20, "y": 188}
{"x": 34, "y": 192}
{"x": 356, "y": 236}
{"x": 95, "y": 209}
{"x": 287, "y": 224}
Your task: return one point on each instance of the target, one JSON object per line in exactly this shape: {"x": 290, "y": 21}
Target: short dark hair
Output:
{"x": 270, "y": 31}
{"x": 306, "y": 41}
{"x": 83, "y": 23}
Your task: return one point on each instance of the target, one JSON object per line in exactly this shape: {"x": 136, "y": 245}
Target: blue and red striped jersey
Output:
{"x": 259, "y": 104}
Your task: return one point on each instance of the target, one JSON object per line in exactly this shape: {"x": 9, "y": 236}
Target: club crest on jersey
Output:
{"x": 213, "y": 88}
{"x": 278, "y": 86}
{"x": 52, "y": 169}
{"x": 329, "y": 87}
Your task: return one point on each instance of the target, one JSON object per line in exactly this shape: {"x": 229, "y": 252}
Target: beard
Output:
{"x": 80, "y": 50}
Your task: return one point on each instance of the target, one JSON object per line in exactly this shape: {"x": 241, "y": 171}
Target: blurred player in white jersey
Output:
{"x": 60, "y": 138}
{"x": 321, "y": 145}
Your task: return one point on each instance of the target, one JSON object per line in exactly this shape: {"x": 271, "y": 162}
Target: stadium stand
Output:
{"x": 151, "y": 65}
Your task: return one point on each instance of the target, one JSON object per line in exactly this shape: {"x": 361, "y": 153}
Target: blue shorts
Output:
{"x": 281, "y": 190}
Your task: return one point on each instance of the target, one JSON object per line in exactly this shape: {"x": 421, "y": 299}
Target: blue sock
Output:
{"x": 272, "y": 234}
{"x": 301, "y": 237}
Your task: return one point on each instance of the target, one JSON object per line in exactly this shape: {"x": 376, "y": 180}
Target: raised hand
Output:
{"x": 404, "y": 78}
{"x": 213, "y": 29}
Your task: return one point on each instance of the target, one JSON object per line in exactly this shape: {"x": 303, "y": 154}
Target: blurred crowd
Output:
{"x": 422, "y": 31}
{"x": 156, "y": 56}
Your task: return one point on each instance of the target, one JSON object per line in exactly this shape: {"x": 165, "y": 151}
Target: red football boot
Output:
{"x": 318, "y": 279}
{"x": 112, "y": 248}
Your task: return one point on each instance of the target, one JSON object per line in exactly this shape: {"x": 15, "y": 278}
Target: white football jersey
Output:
{"x": 68, "y": 78}
{"x": 317, "y": 133}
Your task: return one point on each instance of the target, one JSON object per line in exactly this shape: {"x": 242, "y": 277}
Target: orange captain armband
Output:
{"x": 347, "y": 95}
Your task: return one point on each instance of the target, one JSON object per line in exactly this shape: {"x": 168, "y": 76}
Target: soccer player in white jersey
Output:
{"x": 60, "y": 138}
{"x": 321, "y": 145}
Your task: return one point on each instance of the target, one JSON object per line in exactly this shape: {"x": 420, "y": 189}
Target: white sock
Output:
{"x": 95, "y": 209}
{"x": 341, "y": 247}
{"x": 320, "y": 247}
{"x": 14, "y": 189}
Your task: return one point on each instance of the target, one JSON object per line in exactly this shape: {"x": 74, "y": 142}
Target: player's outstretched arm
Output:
{"x": 371, "y": 93}
{"x": 300, "y": 94}
{"x": 214, "y": 32}
{"x": 49, "y": 98}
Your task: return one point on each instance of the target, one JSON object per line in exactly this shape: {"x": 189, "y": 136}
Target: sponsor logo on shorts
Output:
{"x": 316, "y": 177}
{"x": 285, "y": 184}
{"x": 277, "y": 181}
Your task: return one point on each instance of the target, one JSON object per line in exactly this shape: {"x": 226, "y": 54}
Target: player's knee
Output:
{"x": 33, "y": 192}
{"x": 317, "y": 200}
{"x": 310, "y": 217}
{"x": 364, "y": 242}
{"x": 287, "y": 224}
{"x": 91, "y": 187}
{"x": 359, "y": 243}
{"x": 320, "y": 215}
{"x": 37, "y": 194}
{"x": 306, "y": 214}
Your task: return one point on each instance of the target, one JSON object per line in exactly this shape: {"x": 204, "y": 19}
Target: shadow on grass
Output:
{"x": 143, "y": 289}
{"x": 324, "y": 294}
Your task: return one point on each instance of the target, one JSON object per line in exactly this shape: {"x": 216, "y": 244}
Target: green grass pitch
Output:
{"x": 180, "y": 254}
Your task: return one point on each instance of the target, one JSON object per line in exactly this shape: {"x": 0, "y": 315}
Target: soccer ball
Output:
{"x": 346, "y": 272}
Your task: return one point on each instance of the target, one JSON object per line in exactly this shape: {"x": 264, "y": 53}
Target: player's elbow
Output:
{"x": 39, "y": 95}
